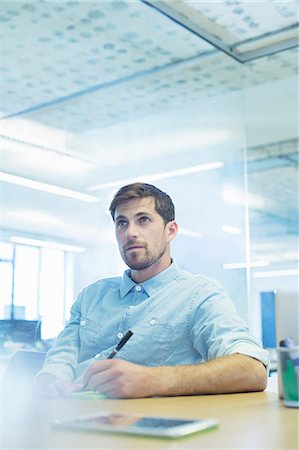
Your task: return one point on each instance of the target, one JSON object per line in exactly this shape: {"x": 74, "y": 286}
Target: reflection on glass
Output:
{"x": 5, "y": 288}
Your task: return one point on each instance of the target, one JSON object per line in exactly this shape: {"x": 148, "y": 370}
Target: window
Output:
{"x": 51, "y": 301}
{"x": 26, "y": 282}
{"x": 35, "y": 283}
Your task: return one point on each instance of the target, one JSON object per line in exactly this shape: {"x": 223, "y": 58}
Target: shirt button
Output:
{"x": 138, "y": 288}
{"x": 152, "y": 322}
{"x": 82, "y": 323}
{"x": 120, "y": 335}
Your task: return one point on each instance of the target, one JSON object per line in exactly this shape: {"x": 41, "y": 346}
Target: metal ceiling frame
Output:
{"x": 232, "y": 50}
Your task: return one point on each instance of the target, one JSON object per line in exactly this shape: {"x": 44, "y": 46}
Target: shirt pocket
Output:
{"x": 89, "y": 332}
{"x": 151, "y": 343}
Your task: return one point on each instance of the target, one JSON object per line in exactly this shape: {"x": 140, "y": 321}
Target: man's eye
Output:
{"x": 121, "y": 223}
{"x": 144, "y": 219}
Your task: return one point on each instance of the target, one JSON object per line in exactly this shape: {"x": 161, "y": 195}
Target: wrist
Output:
{"x": 164, "y": 381}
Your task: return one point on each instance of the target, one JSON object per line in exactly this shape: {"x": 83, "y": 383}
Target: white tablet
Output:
{"x": 170, "y": 427}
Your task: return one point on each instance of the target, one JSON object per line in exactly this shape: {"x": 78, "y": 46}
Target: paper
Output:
{"x": 88, "y": 395}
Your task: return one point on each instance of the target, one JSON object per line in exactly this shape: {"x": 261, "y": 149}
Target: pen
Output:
{"x": 120, "y": 345}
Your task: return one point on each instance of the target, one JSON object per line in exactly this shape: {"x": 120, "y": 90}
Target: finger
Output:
{"x": 113, "y": 389}
{"x": 100, "y": 379}
{"x": 109, "y": 389}
{"x": 95, "y": 367}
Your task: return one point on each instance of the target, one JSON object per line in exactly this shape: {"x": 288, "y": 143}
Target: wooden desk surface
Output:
{"x": 247, "y": 421}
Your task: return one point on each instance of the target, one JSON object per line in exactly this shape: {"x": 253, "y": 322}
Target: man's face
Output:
{"x": 140, "y": 232}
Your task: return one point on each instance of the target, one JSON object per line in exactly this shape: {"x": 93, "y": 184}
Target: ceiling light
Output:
{"x": 189, "y": 233}
{"x": 277, "y": 273}
{"x": 27, "y": 182}
{"x": 244, "y": 265}
{"x": 160, "y": 175}
{"x": 231, "y": 230}
{"x": 47, "y": 244}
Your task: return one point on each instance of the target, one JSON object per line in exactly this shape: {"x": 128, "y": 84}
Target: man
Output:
{"x": 187, "y": 337}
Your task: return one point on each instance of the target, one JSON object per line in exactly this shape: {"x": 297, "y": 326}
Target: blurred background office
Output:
{"x": 198, "y": 98}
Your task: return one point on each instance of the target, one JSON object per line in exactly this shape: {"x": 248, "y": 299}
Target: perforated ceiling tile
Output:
{"x": 54, "y": 50}
{"x": 211, "y": 76}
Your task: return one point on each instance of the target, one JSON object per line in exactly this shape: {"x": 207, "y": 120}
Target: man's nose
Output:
{"x": 131, "y": 231}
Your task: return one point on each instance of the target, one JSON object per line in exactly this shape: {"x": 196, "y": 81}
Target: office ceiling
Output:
{"x": 94, "y": 91}
{"x": 77, "y": 55}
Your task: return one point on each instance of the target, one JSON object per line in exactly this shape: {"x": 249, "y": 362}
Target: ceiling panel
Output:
{"x": 74, "y": 48}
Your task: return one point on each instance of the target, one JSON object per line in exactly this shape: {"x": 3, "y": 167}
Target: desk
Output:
{"x": 254, "y": 420}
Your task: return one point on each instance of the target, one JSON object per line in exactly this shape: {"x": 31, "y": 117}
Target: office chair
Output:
{"x": 19, "y": 374}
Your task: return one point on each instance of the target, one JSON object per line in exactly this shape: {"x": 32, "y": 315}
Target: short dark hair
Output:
{"x": 163, "y": 203}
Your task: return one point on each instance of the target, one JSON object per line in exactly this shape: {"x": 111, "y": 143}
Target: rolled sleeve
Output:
{"x": 218, "y": 330}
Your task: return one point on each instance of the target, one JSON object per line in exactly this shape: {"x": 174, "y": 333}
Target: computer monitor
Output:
{"x": 18, "y": 330}
{"x": 287, "y": 315}
{"x": 268, "y": 319}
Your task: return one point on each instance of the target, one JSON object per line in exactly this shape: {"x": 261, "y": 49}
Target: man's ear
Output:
{"x": 172, "y": 228}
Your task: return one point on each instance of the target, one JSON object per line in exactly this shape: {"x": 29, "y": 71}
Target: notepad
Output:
{"x": 88, "y": 395}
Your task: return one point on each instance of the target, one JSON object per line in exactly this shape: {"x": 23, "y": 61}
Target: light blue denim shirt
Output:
{"x": 176, "y": 317}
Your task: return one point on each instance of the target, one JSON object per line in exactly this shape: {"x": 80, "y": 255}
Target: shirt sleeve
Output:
{"x": 62, "y": 359}
{"x": 217, "y": 330}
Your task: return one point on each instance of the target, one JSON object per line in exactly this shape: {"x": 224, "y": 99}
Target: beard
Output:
{"x": 137, "y": 261}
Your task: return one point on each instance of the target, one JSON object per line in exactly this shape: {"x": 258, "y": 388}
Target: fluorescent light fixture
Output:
{"x": 189, "y": 233}
{"x": 277, "y": 273}
{"x": 231, "y": 230}
{"x": 161, "y": 175}
{"x": 244, "y": 265}
{"x": 46, "y": 244}
{"x": 27, "y": 182}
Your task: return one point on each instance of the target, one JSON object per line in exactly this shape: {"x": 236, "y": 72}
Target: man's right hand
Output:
{"x": 48, "y": 385}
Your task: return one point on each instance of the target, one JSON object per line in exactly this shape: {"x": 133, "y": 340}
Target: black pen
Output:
{"x": 120, "y": 345}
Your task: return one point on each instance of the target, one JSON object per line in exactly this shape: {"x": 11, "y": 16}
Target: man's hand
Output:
{"x": 119, "y": 379}
{"x": 48, "y": 385}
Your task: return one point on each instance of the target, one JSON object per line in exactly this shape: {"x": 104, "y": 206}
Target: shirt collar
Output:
{"x": 152, "y": 284}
